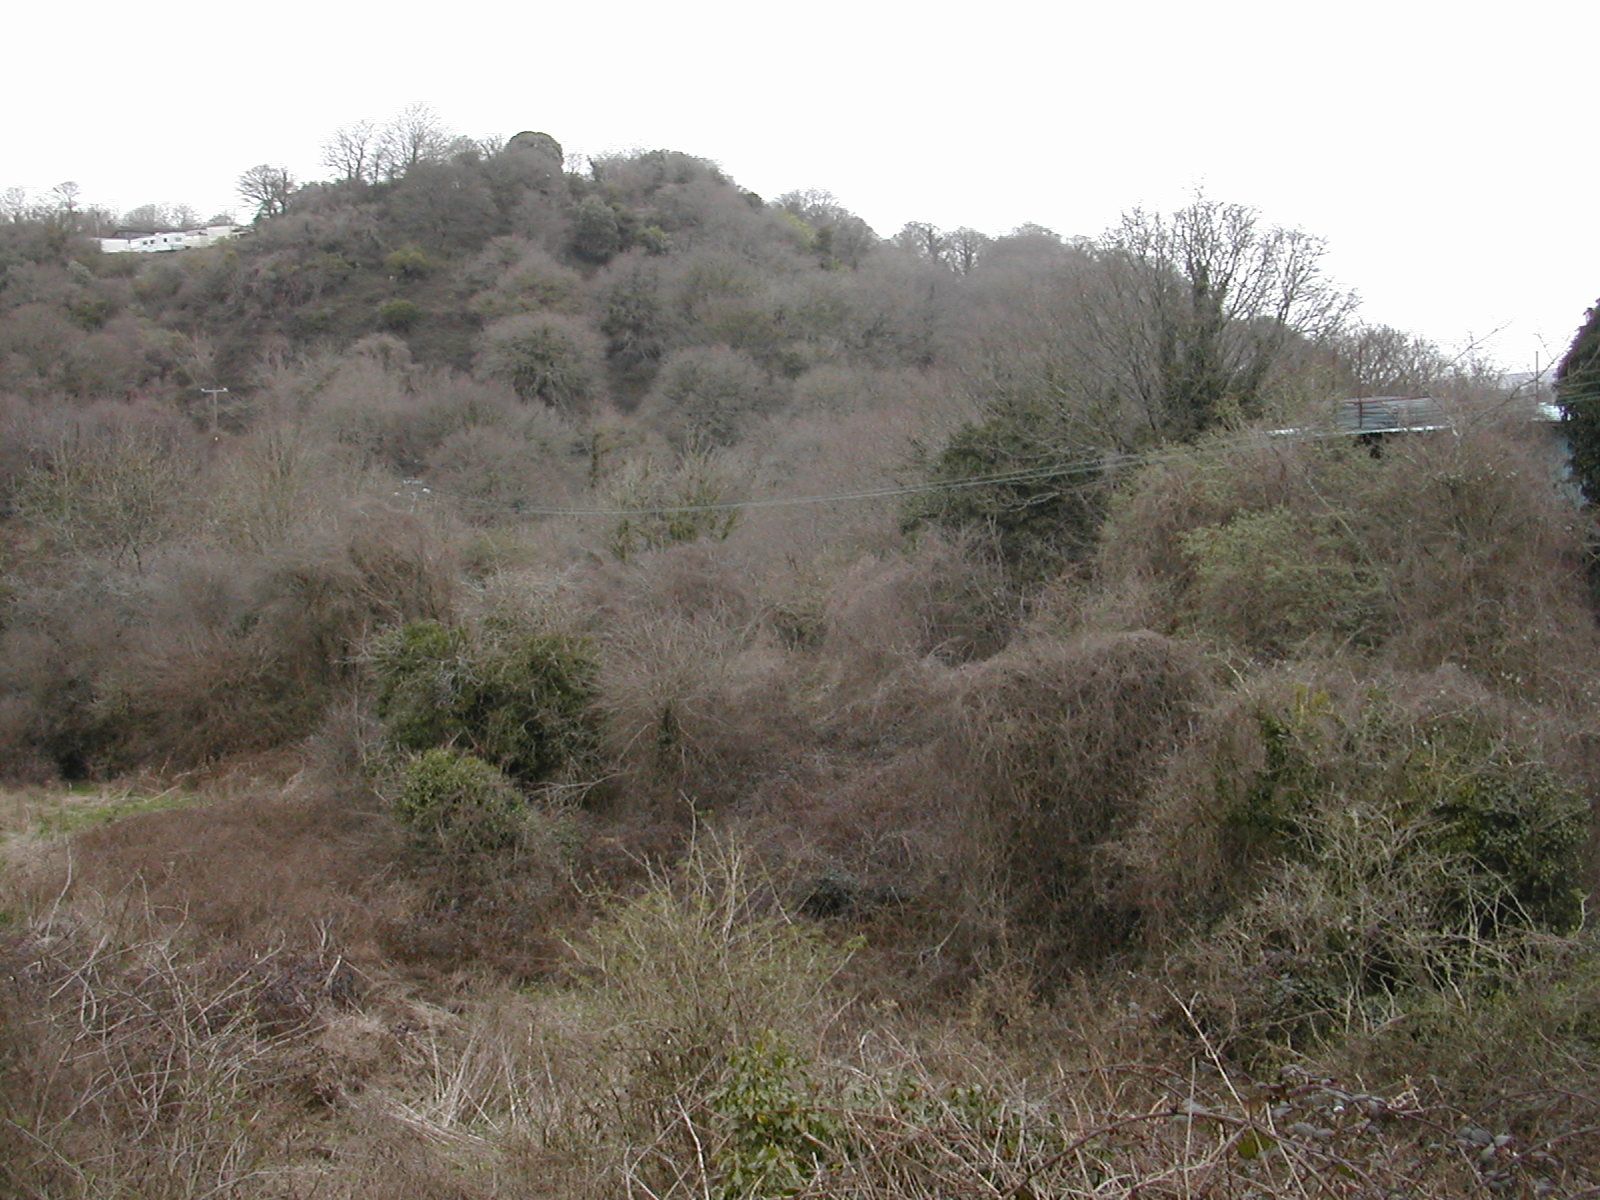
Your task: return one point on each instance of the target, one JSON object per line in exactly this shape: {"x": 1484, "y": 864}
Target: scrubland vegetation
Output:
{"x": 444, "y": 769}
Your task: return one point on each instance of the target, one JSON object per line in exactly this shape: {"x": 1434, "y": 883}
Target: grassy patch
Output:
{"x": 61, "y": 812}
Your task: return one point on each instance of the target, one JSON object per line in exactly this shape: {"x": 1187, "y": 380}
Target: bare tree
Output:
{"x": 14, "y": 205}
{"x": 146, "y": 216}
{"x": 66, "y": 194}
{"x": 922, "y": 238}
{"x": 1380, "y": 360}
{"x": 161, "y": 216}
{"x": 966, "y": 245}
{"x": 352, "y": 152}
{"x": 268, "y": 188}
{"x": 843, "y": 238}
{"x": 1192, "y": 312}
{"x": 415, "y": 135}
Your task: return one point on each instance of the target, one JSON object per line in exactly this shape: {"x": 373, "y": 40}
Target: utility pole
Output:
{"x": 214, "y": 393}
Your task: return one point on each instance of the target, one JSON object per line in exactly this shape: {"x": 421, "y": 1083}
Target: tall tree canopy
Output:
{"x": 1198, "y": 307}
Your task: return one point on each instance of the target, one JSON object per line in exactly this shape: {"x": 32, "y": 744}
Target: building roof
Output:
{"x": 1391, "y": 414}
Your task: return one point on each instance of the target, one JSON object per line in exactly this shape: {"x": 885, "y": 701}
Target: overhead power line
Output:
{"x": 1058, "y": 470}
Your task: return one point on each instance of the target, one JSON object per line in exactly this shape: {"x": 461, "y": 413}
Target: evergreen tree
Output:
{"x": 1020, "y": 476}
{"x": 1578, "y": 392}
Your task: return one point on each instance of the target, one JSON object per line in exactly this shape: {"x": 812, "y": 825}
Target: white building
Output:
{"x": 160, "y": 243}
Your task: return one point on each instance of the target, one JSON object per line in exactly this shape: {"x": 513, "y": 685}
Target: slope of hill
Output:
{"x": 673, "y": 694}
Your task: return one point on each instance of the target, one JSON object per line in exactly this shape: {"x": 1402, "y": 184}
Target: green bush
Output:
{"x": 398, "y": 315}
{"x": 522, "y": 702}
{"x": 548, "y": 358}
{"x": 534, "y": 706}
{"x": 1355, "y": 858}
{"x": 1510, "y": 831}
{"x": 458, "y": 804}
{"x": 776, "y": 1135}
{"x": 1040, "y": 521}
{"x": 408, "y": 262}
{"x": 91, "y": 312}
{"x": 1519, "y": 829}
{"x": 423, "y": 671}
{"x": 596, "y": 232}
{"x": 653, "y": 239}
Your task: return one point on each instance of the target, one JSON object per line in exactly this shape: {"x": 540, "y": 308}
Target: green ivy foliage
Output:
{"x": 777, "y": 1136}
{"x": 1578, "y": 392}
{"x": 522, "y": 702}
{"x": 458, "y": 804}
{"x": 1510, "y": 833}
{"x": 1040, "y": 518}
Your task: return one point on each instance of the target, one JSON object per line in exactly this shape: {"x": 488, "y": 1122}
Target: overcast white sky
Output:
{"x": 1445, "y": 151}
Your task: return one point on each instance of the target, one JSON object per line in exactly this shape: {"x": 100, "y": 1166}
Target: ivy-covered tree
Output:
{"x": 596, "y": 235}
{"x": 1019, "y": 477}
{"x": 1196, "y": 309}
{"x": 548, "y": 358}
{"x": 1578, "y": 392}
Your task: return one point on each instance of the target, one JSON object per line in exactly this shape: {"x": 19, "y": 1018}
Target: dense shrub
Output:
{"x": 1276, "y": 578}
{"x": 490, "y": 472}
{"x": 942, "y": 597}
{"x": 698, "y": 711}
{"x": 1269, "y": 765}
{"x": 1018, "y": 478}
{"x": 456, "y": 804}
{"x": 706, "y": 396}
{"x": 1324, "y": 857}
{"x": 550, "y": 359}
{"x": 596, "y": 233}
{"x": 409, "y": 262}
{"x": 203, "y": 652}
{"x": 115, "y": 490}
{"x": 700, "y": 982}
{"x": 1049, "y": 747}
{"x": 687, "y": 501}
{"x": 421, "y": 671}
{"x": 1449, "y": 550}
{"x": 521, "y": 701}
{"x": 516, "y": 276}
{"x": 398, "y": 315}
{"x": 633, "y": 318}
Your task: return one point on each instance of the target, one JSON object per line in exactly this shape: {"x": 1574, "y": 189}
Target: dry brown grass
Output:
{"x": 245, "y": 866}
{"x": 701, "y": 1023}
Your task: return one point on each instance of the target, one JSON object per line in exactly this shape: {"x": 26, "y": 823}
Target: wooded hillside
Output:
{"x": 640, "y": 689}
